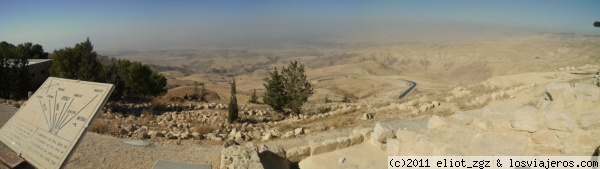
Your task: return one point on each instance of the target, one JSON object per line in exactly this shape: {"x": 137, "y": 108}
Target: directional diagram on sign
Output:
{"x": 47, "y": 128}
{"x": 59, "y": 110}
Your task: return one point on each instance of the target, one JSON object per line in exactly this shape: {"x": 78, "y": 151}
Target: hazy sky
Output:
{"x": 148, "y": 24}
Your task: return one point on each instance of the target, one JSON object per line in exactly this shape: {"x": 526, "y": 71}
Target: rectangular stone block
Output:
{"x": 324, "y": 147}
{"x": 382, "y": 132}
{"x": 405, "y": 136}
{"x": 298, "y": 154}
{"x": 343, "y": 142}
{"x": 393, "y": 147}
{"x": 356, "y": 139}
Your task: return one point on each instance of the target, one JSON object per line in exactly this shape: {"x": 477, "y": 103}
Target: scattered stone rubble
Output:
{"x": 252, "y": 156}
{"x": 188, "y": 123}
{"x": 568, "y": 125}
{"x": 572, "y": 68}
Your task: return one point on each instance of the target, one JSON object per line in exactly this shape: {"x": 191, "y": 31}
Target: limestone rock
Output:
{"x": 324, "y": 147}
{"x": 356, "y": 139}
{"x": 393, "y": 147}
{"x": 196, "y": 135}
{"x": 461, "y": 117}
{"x": 267, "y": 137}
{"x": 525, "y": 119}
{"x": 367, "y": 116}
{"x": 297, "y": 154}
{"x": 343, "y": 142}
{"x": 405, "y": 136}
{"x": 288, "y": 134}
{"x": 499, "y": 144}
{"x": 497, "y": 117}
{"x": 586, "y": 92}
{"x": 235, "y": 156}
{"x": 559, "y": 119}
{"x": 547, "y": 137}
{"x": 546, "y": 150}
{"x": 589, "y": 120}
{"x": 381, "y": 133}
{"x": 558, "y": 91}
{"x": 435, "y": 122}
{"x": 364, "y": 131}
{"x": 298, "y": 131}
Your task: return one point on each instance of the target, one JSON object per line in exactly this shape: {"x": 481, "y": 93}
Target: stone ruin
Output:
{"x": 567, "y": 125}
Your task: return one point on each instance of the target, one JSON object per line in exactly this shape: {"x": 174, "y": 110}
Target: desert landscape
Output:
{"x": 516, "y": 91}
{"x": 195, "y": 82}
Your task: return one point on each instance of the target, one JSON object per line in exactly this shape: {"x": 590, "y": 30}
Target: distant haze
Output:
{"x": 149, "y": 25}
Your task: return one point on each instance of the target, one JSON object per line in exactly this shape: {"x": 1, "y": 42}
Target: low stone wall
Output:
{"x": 565, "y": 122}
{"x": 359, "y": 135}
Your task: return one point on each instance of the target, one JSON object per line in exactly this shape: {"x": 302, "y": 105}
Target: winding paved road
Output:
{"x": 329, "y": 77}
{"x": 407, "y": 90}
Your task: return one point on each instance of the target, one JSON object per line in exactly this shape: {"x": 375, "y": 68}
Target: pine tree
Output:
{"x": 196, "y": 94}
{"x": 202, "y": 96}
{"x": 296, "y": 86}
{"x": 346, "y": 99}
{"x": 88, "y": 65}
{"x": 288, "y": 89}
{"x": 254, "y": 98}
{"x": 327, "y": 99}
{"x": 233, "y": 107}
{"x": 3, "y": 74}
{"x": 275, "y": 95}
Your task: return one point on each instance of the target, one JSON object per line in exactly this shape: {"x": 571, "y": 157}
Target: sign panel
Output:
{"x": 49, "y": 126}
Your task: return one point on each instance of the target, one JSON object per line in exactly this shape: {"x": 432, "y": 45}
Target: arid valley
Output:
{"x": 475, "y": 85}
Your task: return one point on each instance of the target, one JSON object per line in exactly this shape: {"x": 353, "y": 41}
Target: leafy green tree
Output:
{"x": 89, "y": 67}
{"x": 14, "y": 71}
{"x": 254, "y": 98}
{"x": 76, "y": 63}
{"x": 297, "y": 87}
{"x": 22, "y": 80}
{"x": 275, "y": 95}
{"x": 111, "y": 75}
{"x": 3, "y": 75}
{"x": 139, "y": 79}
{"x": 288, "y": 89}
{"x": 132, "y": 79}
{"x": 233, "y": 107}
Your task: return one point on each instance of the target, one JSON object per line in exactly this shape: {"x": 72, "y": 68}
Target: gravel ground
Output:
{"x": 102, "y": 151}
{"x": 6, "y": 112}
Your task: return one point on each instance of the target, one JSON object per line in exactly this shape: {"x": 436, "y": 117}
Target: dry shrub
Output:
{"x": 101, "y": 126}
{"x": 323, "y": 109}
{"x": 148, "y": 117}
{"x": 342, "y": 121}
{"x": 98, "y": 126}
{"x": 285, "y": 127}
{"x": 203, "y": 129}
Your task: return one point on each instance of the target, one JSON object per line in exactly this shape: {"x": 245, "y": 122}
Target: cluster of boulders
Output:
{"x": 249, "y": 154}
{"x": 211, "y": 124}
{"x": 189, "y": 106}
{"x": 413, "y": 107}
{"x": 567, "y": 125}
{"x": 252, "y": 156}
{"x": 497, "y": 95}
{"x": 14, "y": 103}
{"x": 572, "y": 68}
